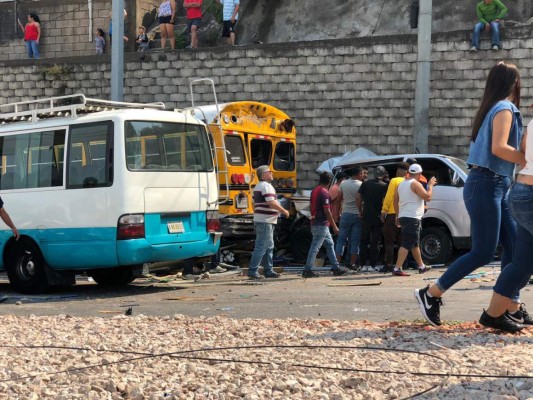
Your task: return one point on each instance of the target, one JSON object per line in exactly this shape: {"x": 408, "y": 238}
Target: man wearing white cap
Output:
{"x": 409, "y": 206}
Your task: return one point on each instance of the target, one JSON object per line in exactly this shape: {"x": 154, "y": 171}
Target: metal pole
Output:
{"x": 117, "y": 51}
{"x": 423, "y": 71}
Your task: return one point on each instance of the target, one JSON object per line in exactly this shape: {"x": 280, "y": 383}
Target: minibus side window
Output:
{"x": 28, "y": 160}
{"x": 284, "y": 157}
{"x": 167, "y": 146}
{"x": 89, "y": 161}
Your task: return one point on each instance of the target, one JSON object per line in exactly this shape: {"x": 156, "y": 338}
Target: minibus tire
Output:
{"x": 25, "y": 267}
{"x": 113, "y": 276}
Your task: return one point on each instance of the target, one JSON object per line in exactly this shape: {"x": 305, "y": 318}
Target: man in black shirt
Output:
{"x": 369, "y": 201}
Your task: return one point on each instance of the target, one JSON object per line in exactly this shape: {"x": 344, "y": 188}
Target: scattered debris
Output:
{"x": 129, "y": 311}
{"x": 355, "y": 284}
{"x": 189, "y": 298}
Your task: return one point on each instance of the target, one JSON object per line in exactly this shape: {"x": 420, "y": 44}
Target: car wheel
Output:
{"x": 300, "y": 243}
{"x": 435, "y": 245}
{"x": 25, "y": 267}
{"x": 113, "y": 276}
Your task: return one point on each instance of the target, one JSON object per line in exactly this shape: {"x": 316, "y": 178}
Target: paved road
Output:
{"x": 288, "y": 297}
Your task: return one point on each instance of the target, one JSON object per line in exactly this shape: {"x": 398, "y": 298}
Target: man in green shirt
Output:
{"x": 489, "y": 14}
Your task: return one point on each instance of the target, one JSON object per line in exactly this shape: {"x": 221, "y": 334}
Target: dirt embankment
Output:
{"x": 271, "y": 21}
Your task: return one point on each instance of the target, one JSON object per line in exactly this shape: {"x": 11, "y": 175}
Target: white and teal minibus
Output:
{"x": 103, "y": 188}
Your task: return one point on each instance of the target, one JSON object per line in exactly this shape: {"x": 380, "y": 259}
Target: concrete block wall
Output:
{"x": 342, "y": 93}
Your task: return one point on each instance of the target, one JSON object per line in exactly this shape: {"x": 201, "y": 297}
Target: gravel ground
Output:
{"x": 150, "y": 358}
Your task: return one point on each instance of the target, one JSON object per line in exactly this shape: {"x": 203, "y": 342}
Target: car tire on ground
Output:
{"x": 300, "y": 243}
{"x": 25, "y": 267}
{"x": 435, "y": 245}
{"x": 113, "y": 276}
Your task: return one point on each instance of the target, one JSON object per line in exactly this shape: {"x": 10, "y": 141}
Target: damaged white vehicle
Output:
{"x": 445, "y": 225}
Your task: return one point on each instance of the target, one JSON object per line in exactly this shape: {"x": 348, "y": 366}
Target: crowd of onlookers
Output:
{"x": 166, "y": 18}
{"x": 490, "y": 14}
{"x": 498, "y": 196}
{"x": 358, "y": 211}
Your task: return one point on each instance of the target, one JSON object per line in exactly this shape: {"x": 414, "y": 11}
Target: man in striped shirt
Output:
{"x": 266, "y": 212}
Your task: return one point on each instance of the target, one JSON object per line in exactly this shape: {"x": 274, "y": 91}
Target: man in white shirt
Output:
{"x": 266, "y": 212}
{"x": 409, "y": 207}
{"x": 230, "y": 15}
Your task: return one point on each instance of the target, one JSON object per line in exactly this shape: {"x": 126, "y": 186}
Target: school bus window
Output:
{"x": 284, "y": 157}
{"x": 173, "y": 151}
{"x": 234, "y": 150}
{"x": 97, "y": 149}
{"x": 261, "y": 152}
{"x": 152, "y": 154}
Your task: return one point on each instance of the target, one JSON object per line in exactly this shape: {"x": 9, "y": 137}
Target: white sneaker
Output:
{"x": 495, "y": 48}
{"x": 218, "y": 270}
{"x": 473, "y": 48}
{"x": 367, "y": 268}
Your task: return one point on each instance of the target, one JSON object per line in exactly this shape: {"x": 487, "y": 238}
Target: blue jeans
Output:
{"x": 495, "y": 33}
{"x": 264, "y": 248}
{"x": 32, "y": 47}
{"x": 349, "y": 227}
{"x": 321, "y": 235}
{"x": 486, "y": 197}
{"x": 517, "y": 274}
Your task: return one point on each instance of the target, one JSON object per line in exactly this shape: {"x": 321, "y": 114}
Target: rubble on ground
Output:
{"x": 141, "y": 357}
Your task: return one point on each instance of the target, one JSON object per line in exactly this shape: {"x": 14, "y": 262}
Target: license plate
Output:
{"x": 175, "y": 227}
{"x": 242, "y": 202}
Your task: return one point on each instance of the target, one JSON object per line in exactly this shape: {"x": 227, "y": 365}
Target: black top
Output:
{"x": 373, "y": 192}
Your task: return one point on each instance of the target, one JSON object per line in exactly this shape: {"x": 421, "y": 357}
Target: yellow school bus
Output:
{"x": 246, "y": 135}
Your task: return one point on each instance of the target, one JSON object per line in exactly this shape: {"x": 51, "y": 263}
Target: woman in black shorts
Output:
{"x": 167, "y": 10}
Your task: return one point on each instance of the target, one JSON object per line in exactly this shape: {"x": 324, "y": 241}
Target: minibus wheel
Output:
{"x": 113, "y": 276}
{"x": 25, "y": 267}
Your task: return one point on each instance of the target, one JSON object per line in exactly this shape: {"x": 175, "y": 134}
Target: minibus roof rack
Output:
{"x": 63, "y": 106}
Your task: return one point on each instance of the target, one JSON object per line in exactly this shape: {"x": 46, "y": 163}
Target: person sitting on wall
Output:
{"x": 490, "y": 14}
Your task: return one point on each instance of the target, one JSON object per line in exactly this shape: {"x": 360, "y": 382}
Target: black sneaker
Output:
{"x": 309, "y": 274}
{"x": 424, "y": 269}
{"x": 430, "y": 306}
{"x": 503, "y": 323}
{"x": 272, "y": 274}
{"x": 339, "y": 271}
{"x": 256, "y": 277}
{"x": 521, "y": 316}
{"x": 387, "y": 269}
